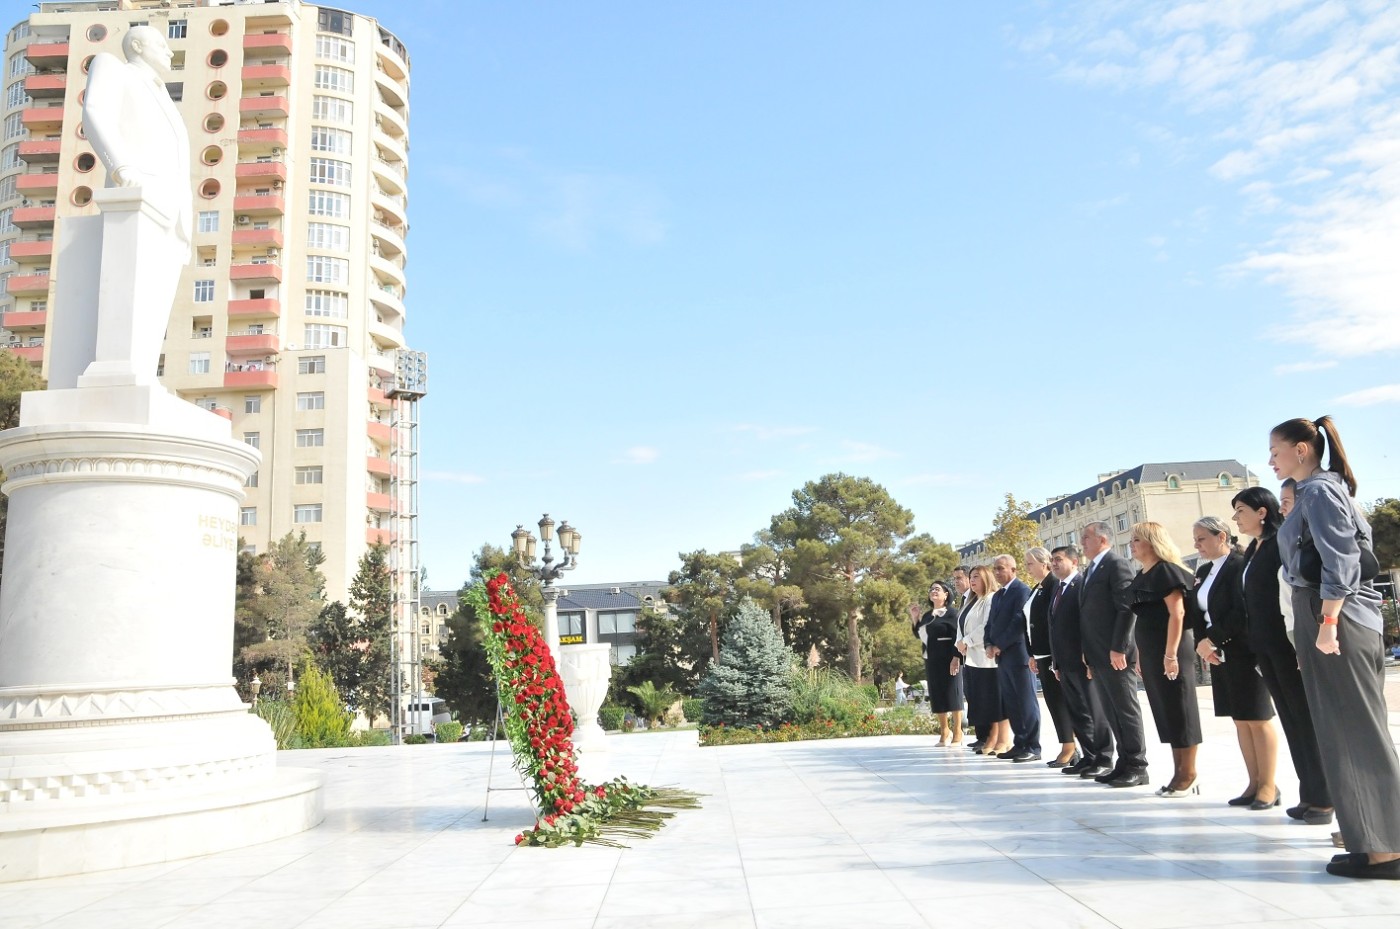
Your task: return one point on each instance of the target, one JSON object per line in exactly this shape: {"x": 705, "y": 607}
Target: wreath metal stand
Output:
{"x": 496, "y": 725}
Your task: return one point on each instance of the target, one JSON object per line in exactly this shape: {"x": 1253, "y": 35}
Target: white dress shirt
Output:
{"x": 1203, "y": 591}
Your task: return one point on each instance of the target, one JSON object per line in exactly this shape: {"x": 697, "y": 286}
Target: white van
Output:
{"x": 424, "y": 712}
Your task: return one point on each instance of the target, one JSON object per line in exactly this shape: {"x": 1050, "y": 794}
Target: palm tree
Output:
{"x": 654, "y": 702}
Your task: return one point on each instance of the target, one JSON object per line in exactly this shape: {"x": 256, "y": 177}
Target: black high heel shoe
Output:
{"x": 1262, "y": 805}
{"x": 1242, "y": 800}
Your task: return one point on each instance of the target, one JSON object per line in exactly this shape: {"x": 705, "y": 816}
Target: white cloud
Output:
{"x": 454, "y": 477}
{"x": 1303, "y": 367}
{"x": 638, "y": 455}
{"x": 1372, "y": 396}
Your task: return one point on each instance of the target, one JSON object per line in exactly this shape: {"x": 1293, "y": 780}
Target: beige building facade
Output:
{"x": 1175, "y": 494}
{"x": 290, "y": 316}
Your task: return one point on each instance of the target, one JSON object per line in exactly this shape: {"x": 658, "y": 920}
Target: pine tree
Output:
{"x": 322, "y": 720}
{"x": 750, "y": 684}
{"x": 372, "y": 598}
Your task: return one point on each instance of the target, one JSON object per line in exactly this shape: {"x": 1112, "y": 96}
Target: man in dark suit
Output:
{"x": 1006, "y": 642}
{"x": 1067, "y": 650}
{"x": 1106, "y": 627}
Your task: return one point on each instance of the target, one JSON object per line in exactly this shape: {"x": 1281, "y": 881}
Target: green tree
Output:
{"x": 702, "y": 593}
{"x": 322, "y": 720}
{"x": 334, "y": 640}
{"x": 653, "y": 703}
{"x": 844, "y": 533}
{"x": 660, "y": 656}
{"x": 372, "y": 599}
{"x": 1384, "y": 516}
{"x": 288, "y": 594}
{"x": 767, "y": 578}
{"x": 1012, "y": 533}
{"x": 16, "y": 377}
{"x": 751, "y": 683}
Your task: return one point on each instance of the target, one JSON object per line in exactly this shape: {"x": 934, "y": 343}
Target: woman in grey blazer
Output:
{"x": 1325, "y": 546}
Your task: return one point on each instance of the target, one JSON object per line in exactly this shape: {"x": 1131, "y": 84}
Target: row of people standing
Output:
{"x": 1094, "y": 635}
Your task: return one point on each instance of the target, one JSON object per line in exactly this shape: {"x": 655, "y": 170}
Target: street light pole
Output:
{"x": 548, "y": 572}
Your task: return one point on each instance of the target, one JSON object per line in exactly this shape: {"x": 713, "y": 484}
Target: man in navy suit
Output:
{"x": 1067, "y": 649}
{"x": 1006, "y": 642}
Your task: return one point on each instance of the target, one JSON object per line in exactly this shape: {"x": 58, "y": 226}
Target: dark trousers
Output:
{"x": 1279, "y": 668}
{"x": 1087, "y": 712}
{"x": 1118, "y": 692}
{"x": 1347, "y": 692}
{"x": 1022, "y": 709}
{"x": 1055, "y": 703}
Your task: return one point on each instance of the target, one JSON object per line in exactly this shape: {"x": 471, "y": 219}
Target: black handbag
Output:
{"x": 1310, "y": 562}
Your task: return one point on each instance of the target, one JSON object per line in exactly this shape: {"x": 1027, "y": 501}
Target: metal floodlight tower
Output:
{"x": 406, "y": 648}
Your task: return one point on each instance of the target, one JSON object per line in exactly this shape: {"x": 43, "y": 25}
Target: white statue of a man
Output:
{"x": 138, "y": 134}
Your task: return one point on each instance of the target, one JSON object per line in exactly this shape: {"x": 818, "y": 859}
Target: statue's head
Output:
{"x": 146, "y": 43}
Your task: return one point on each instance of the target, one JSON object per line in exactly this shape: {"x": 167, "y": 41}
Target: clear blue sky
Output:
{"x": 672, "y": 260}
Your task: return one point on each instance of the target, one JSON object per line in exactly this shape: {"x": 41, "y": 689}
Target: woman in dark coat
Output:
{"x": 937, "y": 629}
{"x": 1258, "y": 515}
{"x": 1158, "y": 596}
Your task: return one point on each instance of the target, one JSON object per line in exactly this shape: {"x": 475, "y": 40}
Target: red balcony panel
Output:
{"x": 45, "y": 85}
{"x": 378, "y": 536}
{"x": 253, "y": 272}
{"x": 276, "y": 43}
{"x": 272, "y": 237}
{"x": 379, "y": 466}
{"x": 40, "y": 151}
{"x": 265, "y": 377}
{"x": 28, "y": 284}
{"x": 266, "y": 75}
{"x": 376, "y": 396}
{"x": 34, "y": 354}
{"x": 42, "y": 249}
{"x": 262, "y": 138}
{"x": 47, "y": 54}
{"x": 24, "y": 320}
{"x": 381, "y": 433}
{"x": 260, "y": 205}
{"x": 34, "y": 184}
{"x": 263, "y": 106}
{"x": 266, "y": 306}
{"x": 42, "y": 117}
{"x": 380, "y": 502}
{"x": 274, "y": 170}
{"x": 28, "y": 217}
{"x": 264, "y": 343}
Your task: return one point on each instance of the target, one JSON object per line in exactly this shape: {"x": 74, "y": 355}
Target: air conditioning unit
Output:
{"x": 244, "y": 220}
{"x": 276, "y": 185}
{"x": 277, "y": 153}
{"x": 269, "y": 359}
{"x": 273, "y": 253}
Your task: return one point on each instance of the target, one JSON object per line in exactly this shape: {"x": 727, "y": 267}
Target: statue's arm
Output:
{"x": 102, "y": 120}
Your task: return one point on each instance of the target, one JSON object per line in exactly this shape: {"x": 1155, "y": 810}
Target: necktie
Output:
{"x": 1055, "y": 603}
{"x": 1089, "y": 572}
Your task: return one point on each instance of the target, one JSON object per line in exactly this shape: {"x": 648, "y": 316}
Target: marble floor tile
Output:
{"x": 885, "y": 914}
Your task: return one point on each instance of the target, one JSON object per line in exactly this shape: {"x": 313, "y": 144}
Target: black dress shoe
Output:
{"x": 1129, "y": 780}
{"x": 1262, "y": 805}
{"x": 976, "y": 746}
{"x": 1358, "y": 866}
{"x": 1023, "y": 757}
{"x": 1057, "y": 763}
{"x": 1242, "y": 800}
{"x": 1102, "y": 774}
{"x": 1008, "y": 755}
{"x": 1348, "y": 856}
{"x": 1297, "y": 812}
{"x": 1316, "y": 817}
{"x": 1080, "y": 765}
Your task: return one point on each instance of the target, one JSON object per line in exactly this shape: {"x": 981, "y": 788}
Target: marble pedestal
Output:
{"x": 122, "y": 740}
{"x": 585, "y": 670}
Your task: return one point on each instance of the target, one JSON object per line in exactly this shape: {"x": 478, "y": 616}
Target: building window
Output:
{"x": 332, "y": 109}
{"x": 1173, "y": 483}
{"x": 1224, "y": 480}
{"x": 199, "y": 362}
{"x": 252, "y": 404}
{"x": 9, "y": 157}
{"x": 328, "y": 236}
{"x": 617, "y": 623}
{"x": 622, "y": 654}
{"x": 312, "y": 474}
{"x": 252, "y": 480}
{"x": 203, "y": 291}
{"x": 208, "y": 221}
{"x": 330, "y": 171}
{"x": 327, "y": 303}
{"x": 318, "y": 335}
{"x": 15, "y": 96}
{"x": 176, "y": 91}
{"x": 248, "y": 516}
{"x": 321, "y": 269}
{"x": 14, "y": 126}
{"x": 335, "y": 21}
{"x": 306, "y": 513}
{"x": 207, "y": 403}
{"x": 333, "y": 48}
{"x": 252, "y": 439}
{"x": 177, "y": 28}
{"x": 1122, "y": 523}
{"x": 325, "y": 203}
{"x": 571, "y": 628}
{"x": 326, "y": 139}
{"x": 312, "y": 364}
{"x": 311, "y": 438}
{"x": 311, "y": 400}
{"x": 337, "y": 79}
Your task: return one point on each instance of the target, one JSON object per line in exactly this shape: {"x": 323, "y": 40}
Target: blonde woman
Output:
{"x": 984, "y": 709}
{"x": 1166, "y": 645}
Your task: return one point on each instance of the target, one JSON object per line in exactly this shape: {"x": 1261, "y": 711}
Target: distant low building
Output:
{"x": 1174, "y": 493}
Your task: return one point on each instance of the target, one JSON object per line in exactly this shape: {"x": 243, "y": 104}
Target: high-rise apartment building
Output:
{"x": 290, "y": 318}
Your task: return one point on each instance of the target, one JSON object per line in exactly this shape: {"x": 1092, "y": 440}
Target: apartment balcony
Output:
{"x": 34, "y": 354}
{"x": 382, "y": 362}
{"x": 43, "y": 86}
{"x": 393, "y": 147}
{"x": 33, "y": 217}
{"x": 266, "y": 76}
{"x": 390, "y": 176}
{"x": 248, "y": 377}
{"x": 269, "y": 17}
{"x": 27, "y": 285}
{"x": 378, "y": 466}
{"x": 271, "y": 170}
{"x": 380, "y": 503}
{"x": 377, "y": 397}
{"x": 259, "y": 204}
{"x": 16, "y": 322}
{"x": 386, "y": 337}
{"x": 391, "y": 59}
{"x": 255, "y": 272}
{"x": 386, "y": 299}
{"x": 37, "y": 185}
{"x": 30, "y": 249}
{"x": 252, "y": 343}
{"x": 394, "y": 93}
{"x": 387, "y": 270}
{"x": 40, "y": 151}
{"x": 389, "y": 120}
{"x": 390, "y": 209}
{"x": 39, "y": 119}
{"x": 250, "y": 309}
{"x": 46, "y": 55}
{"x": 270, "y": 45}
{"x": 380, "y": 433}
{"x": 389, "y": 239}
{"x": 257, "y": 238}
{"x": 378, "y": 536}
{"x": 261, "y": 140}
{"x": 274, "y": 107}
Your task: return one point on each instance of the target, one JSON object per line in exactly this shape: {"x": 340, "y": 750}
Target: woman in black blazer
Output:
{"x": 1258, "y": 515}
{"x": 1222, "y": 641}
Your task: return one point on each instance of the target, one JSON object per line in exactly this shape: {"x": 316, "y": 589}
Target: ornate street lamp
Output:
{"x": 255, "y": 686}
{"x": 547, "y": 571}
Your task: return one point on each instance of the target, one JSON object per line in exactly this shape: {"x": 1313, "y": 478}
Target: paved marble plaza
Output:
{"x": 882, "y": 833}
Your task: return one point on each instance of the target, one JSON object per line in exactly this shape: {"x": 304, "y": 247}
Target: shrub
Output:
{"x": 654, "y": 703}
{"x": 892, "y": 723}
{"x": 610, "y": 716}
{"x": 322, "y": 721}
{"x": 819, "y": 694}
{"x": 448, "y": 732}
{"x": 751, "y": 684}
{"x": 283, "y": 722}
{"x": 366, "y": 738}
{"x": 692, "y": 708}
{"x": 415, "y": 738}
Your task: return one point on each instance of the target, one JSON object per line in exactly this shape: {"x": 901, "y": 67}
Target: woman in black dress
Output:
{"x": 1258, "y": 515}
{"x": 937, "y": 628}
{"x": 1165, "y": 646}
{"x": 1222, "y": 641}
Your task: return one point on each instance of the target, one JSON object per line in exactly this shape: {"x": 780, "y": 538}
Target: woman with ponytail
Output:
{"x": 1325, "y": 546}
